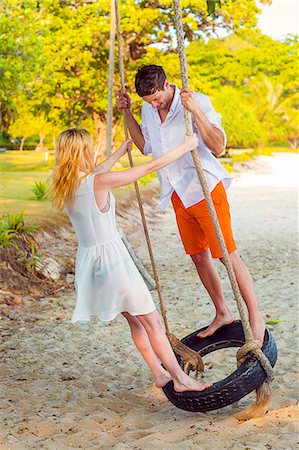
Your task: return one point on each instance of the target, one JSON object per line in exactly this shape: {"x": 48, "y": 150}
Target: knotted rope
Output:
{"x": 190, "y": 358}
{"x": 263, "y": 393}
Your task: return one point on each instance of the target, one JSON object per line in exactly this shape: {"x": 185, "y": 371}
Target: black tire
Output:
{"x": 249, "y": 376}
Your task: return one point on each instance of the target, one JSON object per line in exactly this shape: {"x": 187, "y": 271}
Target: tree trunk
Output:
{"x": 293, "y": 143}
{"x": 100, "y": 131}
{"x": 40, "y": 146}
{"x": 22, "y": 144}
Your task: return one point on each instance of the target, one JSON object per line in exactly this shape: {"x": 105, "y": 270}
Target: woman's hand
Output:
{"x": 191, "y": 142}
{"x": 126, "y": 146}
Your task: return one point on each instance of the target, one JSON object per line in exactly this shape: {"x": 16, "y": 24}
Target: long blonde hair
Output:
{"x": 74, "y": 154}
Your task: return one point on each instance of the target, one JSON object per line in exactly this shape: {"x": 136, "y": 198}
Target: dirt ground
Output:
{"x": 66, "y": 386}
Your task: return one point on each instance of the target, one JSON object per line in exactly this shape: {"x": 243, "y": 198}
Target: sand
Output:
{"x": 85, "y": 386}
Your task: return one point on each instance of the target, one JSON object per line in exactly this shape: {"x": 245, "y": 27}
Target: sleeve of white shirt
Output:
{"x": 206, "y": 106}
{"x": 144, "y": 130}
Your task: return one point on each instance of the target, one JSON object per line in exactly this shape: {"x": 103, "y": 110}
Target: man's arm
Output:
{"x": 123, "y": 103}
{"x": 211, "y": 135}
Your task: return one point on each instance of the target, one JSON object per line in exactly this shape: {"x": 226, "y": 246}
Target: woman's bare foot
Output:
{"x": 188, "y": 384}
{"x": 258, "y": 327}
{"x": 218, "y": 322}
{"x": 162, "y": 379}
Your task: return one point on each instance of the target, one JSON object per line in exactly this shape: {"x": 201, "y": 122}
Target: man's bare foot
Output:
{"x": 218, "y": 322}
{"x": 188, "y": 384}
{"x": 258, "y": 327}
{"x": 162, "y": 379}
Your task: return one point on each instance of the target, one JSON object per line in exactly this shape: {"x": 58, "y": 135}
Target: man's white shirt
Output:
{"x": 181, "y": 175}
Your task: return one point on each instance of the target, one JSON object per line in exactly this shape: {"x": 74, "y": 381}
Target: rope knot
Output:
{"x": 246, "y": 350}
{"x": 254, "y": 348}
{"x": 190, "y": 358}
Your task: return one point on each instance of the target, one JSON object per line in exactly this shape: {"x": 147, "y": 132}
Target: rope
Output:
{"x": 250, "y": 345}
{"x": 110, "y": 80}
{"x": 190, "y": 357}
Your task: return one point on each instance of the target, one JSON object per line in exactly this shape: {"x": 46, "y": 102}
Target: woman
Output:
{"x": 107, "y": 281}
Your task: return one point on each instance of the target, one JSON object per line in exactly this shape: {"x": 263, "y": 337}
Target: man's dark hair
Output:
{"x": 149, "y": 79}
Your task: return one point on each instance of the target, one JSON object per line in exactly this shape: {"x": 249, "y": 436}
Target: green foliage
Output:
{"x": 211, "y": 6}
{"x": 251, "y": 80}
{"x": 18, "y": 239}
{"x": 18, "y": 53}
{"x": 40, "y": 190}
{"x": 12, "y": 228}
{"x": 239, "y": 118}
{"x": 56, "y": 74}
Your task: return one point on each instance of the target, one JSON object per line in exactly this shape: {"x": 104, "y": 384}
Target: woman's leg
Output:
{"x": 143, "y": 344}
{"x": 161, "y": 346}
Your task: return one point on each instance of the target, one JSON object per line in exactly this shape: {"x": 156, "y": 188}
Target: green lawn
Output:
{"x": 19, "y": 170}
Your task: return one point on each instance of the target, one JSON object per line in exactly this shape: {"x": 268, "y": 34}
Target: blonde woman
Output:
{"x": 107, "y": 281}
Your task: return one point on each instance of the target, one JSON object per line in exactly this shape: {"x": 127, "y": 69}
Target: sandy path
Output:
{"x": 85, "y": 386}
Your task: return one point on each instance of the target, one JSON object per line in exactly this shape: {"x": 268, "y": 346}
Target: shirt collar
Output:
{"x": 175, "y": 100}
{"x": 173, "y": 106}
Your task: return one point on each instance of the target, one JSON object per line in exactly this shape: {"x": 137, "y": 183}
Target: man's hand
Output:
{"x": 126, "y": 146}
{"x": 188, "y": 100}
{"x": 123, "y": 102}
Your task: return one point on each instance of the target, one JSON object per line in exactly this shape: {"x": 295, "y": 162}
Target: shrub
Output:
{"x": 12, "y": 226}
{"x": 18, "y": 239}
{"x": 40, "y": 190}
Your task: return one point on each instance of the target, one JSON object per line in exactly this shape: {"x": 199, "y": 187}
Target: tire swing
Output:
{"x": 254, "y": 363}
{"x": 248, "y": 376}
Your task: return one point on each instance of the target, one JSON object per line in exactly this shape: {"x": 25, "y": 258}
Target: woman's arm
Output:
{"x": 110, "y": 180}
{"x": 211, "y": 135}
{"x": 109, "y": 162}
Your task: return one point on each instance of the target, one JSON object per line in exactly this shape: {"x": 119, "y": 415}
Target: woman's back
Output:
{"x": 107, "y": 281}
{"x": 92, "y": 227}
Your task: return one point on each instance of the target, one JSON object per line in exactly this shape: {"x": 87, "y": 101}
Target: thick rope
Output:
{"x": 247, "y": 349}
{"x": 190, "y": 357}
{"x": 110, "y": 80}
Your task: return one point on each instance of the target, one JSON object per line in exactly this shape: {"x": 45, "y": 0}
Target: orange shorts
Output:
{"x": 196, "y": 227}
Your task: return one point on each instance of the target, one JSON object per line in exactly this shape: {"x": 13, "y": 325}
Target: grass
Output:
{"x": 19, "y": 171}
{"x": 25, "y": 161}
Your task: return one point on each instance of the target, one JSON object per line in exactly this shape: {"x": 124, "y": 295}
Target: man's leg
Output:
{"x": 245, "y": 283}
{"x": 196, "y": 230}
{"x": 211, "y": 281}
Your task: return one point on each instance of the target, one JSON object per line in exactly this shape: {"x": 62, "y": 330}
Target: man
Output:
{"x": 162, "y": 129}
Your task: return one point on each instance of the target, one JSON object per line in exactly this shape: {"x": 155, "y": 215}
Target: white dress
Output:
{"x": 107, "y": 281}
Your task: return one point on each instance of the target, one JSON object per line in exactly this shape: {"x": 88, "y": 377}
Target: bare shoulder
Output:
{"x": 100, "y": 180}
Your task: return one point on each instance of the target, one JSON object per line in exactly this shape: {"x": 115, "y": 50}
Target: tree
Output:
{"x": 277, "y": 109}
{"x": 63, "y": 56}
{"x": 239, "y": 119}
{"x": 261, "y": 72}
{"x": 17, "y": 53}
{"x": 22, "y": 127}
